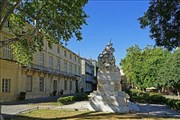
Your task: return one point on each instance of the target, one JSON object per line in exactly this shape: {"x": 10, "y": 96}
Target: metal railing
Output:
{"x": 50, "y": 70}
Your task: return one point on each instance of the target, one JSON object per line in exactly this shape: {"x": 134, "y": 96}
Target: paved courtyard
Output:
{"x": 145, "y": 109}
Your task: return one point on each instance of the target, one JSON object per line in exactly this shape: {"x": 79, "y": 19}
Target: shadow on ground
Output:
{"x": 87, "y": 115}
{"x": 36, "y": 100}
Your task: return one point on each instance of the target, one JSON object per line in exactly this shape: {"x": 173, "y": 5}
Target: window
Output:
{"x": 55, "y": 85}
{"x": 70, "y": 56}
{"x": 79, "y": 71}
{"x": 7, "y": 52}
{"x": 75, "y": 58}
{"x": 70, "y": 85}
{"x": 65, "y": 84}
{"x": 75, "y": 71}
{"x": 29, "y": 84}
{"x": 78, "y": 60}
{"x": 50, "y": 62}
{"x": 65, "y": 66}
{"x": 41, "y": 84}
{"x": 58, "y": 49}
{"x": 41, "y": 59}
{"x": 65, "y": 54}
{"x": 6, "y": 84}
{"x": 58, "y": 64}
{"x": 70, "y": 68}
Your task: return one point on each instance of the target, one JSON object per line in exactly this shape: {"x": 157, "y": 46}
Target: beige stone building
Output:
{"x": 88, "y": 80}
{"x": 52, "y": 69}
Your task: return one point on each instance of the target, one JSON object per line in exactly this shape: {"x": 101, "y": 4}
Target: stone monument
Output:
{"x": 109, "y": 97}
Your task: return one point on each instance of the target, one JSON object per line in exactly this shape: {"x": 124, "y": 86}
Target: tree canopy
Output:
{"x": 169, "y": 73}
{"x": 163, "y": 19}
{"x": 55, "y": 20}
{"x": 141, "y": 66}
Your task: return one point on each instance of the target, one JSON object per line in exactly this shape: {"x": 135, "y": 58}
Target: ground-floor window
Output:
{"x": 55, "y": 85}
{"x": 70, "y": 85}
{"x": 65, "y": 84}
{"x": 88, "y": 86}
{"x": 29, "y": 84}
{"x": 6, "y": 85}
{"x": 41, "y": 84}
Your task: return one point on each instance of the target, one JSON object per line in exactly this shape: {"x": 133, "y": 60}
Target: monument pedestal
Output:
{"x": 109, "y": 97}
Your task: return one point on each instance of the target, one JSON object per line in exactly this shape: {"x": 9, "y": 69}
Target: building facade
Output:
{"x": 52, "y": 70}
{"x": 124, "y": 83}
{"x": 88, "y": 76}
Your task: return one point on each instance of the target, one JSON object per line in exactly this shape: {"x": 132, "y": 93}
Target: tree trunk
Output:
{"x": 9, "y": 41}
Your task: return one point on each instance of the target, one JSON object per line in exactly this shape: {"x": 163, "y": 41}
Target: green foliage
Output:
{"x": 162, "y": 18}
{"x": 33, "y": 21}
{"x": 173, "y": 103}
{"x": 81, "y": 97}
{"x": 156, "y": 99}
{"x": 169, "y": 73}
{"x": 70, "y": 99}
{"x": 153, "y": 98}
{"x": 131, "y": 64}
{"x": 152, "y": 67}
{"x": 141, "y": 66}
{"x": 66, "y": 100}
{"x": 146, "y": 97}
{"x": 178, "y": 105}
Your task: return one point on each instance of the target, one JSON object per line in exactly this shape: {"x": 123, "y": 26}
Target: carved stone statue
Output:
{"x": 109, "y": 97}
{"x": 106, "y": 59}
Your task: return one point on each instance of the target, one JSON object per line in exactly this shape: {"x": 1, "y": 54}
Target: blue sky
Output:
{"x": 112, "y": 19}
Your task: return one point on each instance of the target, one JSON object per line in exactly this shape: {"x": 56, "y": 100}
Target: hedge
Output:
{"x": 70, "y": 99}
{"x": 173, "y": 103}
{"x": 152, "y": 98}
{"x": 66, "y": 100}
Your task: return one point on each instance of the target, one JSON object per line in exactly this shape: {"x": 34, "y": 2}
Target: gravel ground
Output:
{"x": 157, "y": 110}
{"x": 10, "y": 109}
{"x": 145, "y": 109}
{"x": 16, "y": 109}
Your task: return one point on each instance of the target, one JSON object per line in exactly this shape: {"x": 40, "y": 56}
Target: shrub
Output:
{"x": 138, "y": 96}
{"x": 81, "y": 97}
{"x": 169, "y": 102}
{"x": 66, "y": 100}
{"x": 178, "y": 105}
{"x": 70, "y": 99}
{"x": 173, "y": 103}
{"x": 146, "y": 97}
{"x": 156, "y": 99}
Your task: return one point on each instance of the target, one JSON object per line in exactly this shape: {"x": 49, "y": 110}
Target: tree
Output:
{"x": 131, "y": 64}
{"x": 162, "y": 17}
{"x": 170, "y": 72}
{"x": 141, "y": 66}
{"x": 55, "y": 20}
{"x": 154, "y": 58}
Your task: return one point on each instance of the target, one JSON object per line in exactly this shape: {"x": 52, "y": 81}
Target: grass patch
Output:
{"x": 79, "y": 115}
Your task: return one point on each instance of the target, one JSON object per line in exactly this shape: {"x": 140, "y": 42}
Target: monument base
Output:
{"x": 109, "y": 103}
{"x": 109, "y": 97}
